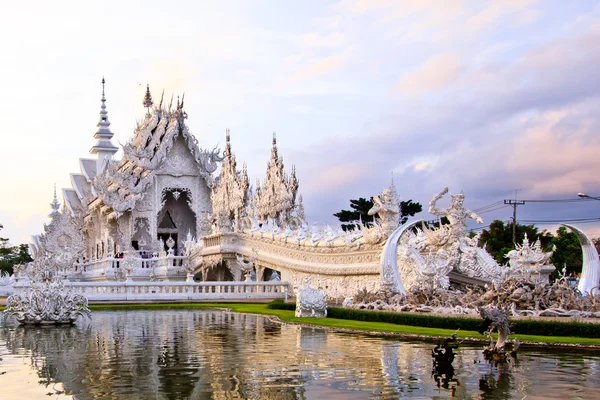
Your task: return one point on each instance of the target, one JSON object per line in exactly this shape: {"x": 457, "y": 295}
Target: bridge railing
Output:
{"x": 124, "y": 291}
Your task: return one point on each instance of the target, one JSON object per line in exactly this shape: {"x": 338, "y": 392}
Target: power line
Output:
{"x": 578, "y": 200}
{"x": 480, "y": 209}
{"x": 558, "y": 221}
{"x": 492, "y": 209}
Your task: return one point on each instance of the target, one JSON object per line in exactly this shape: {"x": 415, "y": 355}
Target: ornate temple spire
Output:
{"x": 104, "y": 149}
{"x": 393, "y": 191}
{"x": 148, "y": 98}
{"x": 227, "y": 151}
{"x": 276, "y": 198}
{"x": 55, "y": 205}
{"x": 230, "y": 195}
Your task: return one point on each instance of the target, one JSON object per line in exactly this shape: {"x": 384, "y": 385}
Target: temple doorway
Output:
{"x": 175, "y": 219}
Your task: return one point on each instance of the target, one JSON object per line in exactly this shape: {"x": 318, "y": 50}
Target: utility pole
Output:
{"x": 514, "y": 204}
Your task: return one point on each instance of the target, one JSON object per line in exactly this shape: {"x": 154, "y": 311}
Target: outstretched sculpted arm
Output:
{"x": 432, "y": 208}
{"x": 472, "y": 215}
{"x": 377, "y": 206}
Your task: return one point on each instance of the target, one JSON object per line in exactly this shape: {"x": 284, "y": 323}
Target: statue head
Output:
{"x": 385, "y": 196}
{"x": 457, "y": 200}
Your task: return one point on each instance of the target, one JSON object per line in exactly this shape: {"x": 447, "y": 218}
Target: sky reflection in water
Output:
{"x": 219, "y": 355}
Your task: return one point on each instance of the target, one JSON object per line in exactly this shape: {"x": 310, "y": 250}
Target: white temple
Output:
{"x": 162, "y": 195}
{"x": 159, "y": 223}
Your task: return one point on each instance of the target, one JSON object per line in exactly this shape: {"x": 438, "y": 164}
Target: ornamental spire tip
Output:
{"x": 147, "y": 97}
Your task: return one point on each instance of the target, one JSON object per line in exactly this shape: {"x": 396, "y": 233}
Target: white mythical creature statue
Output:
{"x": 456, "y": 213}
{"x": 496, "y": 319}
{"x": 311, "y": 302}
{"x": 462, "y": 252}
{"x": 288, "y": 233}
{"x": 387, "y": 206}
{"x": 315, "y": 235}
{"x": 246, "y": 266}
{"x": 428, "y": 256}
{"x": 330, "y": 235}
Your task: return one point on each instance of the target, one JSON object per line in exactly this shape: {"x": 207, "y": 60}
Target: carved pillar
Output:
{"x": 124, "y": 229}
{"x": 260, "y": 270}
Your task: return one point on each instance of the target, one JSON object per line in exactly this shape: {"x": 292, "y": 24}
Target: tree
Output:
{"x": 568, "y": 251}
{"x": 498, "y": 238}
{"x": 360, "y": 212}
{"x": 12, "y": 255}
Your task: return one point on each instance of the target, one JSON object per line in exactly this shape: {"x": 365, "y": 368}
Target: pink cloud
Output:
{"x": 490, "y": 15}
{"x": 321, "y": 67}
{"x": 335, "y": 177}
{"x": 437, "y": 72}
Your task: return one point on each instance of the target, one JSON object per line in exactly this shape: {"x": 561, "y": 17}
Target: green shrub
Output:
{"x": 279, "y": 304}
{"x": 524, "y": 327}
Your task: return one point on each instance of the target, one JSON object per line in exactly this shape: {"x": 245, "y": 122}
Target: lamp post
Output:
{"x": 585, "y": 196}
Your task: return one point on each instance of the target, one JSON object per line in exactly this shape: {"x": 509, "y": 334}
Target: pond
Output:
{"x": 213, "y": 354}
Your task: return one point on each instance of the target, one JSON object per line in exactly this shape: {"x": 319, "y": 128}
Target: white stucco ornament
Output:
{"x": 530, "y": 262}
{"x": 47, "y": 303}
{"x": 311, "y": 302}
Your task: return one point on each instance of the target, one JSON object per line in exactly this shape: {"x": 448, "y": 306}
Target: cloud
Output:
{"x": 334, "y": 177}
{"x": 436, "y": 73}
{"x": 495, "y": 11}
{"x": 363, "y": 6}
{"x": 525, "y": 122}
{"x": 421, "y": 166}
{"x": 319, "y": 40}
{"x": 320, "y": 67}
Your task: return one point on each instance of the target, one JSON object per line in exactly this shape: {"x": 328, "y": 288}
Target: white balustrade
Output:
{"x": 166, "y": 291}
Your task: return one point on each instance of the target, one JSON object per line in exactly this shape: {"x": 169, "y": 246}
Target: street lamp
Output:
{"x": 585, "y": 196}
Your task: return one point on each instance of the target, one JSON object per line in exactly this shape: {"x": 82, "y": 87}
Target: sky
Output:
{"x": 499, "y": 99}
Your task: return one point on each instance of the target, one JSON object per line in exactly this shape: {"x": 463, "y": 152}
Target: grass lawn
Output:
{"x": 288, "y": 316}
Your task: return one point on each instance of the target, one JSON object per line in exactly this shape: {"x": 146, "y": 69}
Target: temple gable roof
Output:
{"x": 122, "y": 183}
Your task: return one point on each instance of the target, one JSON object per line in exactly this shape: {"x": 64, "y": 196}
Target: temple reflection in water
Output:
{"x": 221, "y": 355}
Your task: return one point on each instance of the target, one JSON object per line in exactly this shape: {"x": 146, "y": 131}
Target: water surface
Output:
{"x": 202, "y": 354}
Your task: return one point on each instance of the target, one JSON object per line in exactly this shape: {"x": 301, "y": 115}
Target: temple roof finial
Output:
{"x": 147, "y": 97}
{"x": 55, "y": 205}
{"x": 274, "y": 139}
{"x": 227, "y": 136}
{"x": 103, "y": 147}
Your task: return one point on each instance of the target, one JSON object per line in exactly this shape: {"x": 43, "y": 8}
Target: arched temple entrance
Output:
{"x": 176, "y": 218}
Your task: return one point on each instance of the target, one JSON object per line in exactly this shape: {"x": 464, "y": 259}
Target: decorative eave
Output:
{"x": 88, "y": 168}
{"x": 81, "y": 186}
{"x": 72, "y": 201}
